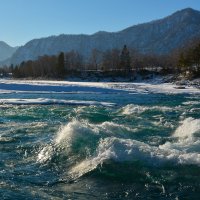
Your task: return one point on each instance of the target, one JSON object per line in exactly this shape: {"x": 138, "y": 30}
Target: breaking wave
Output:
{"x": 188, "y": 128}
{"x": 46, "y": 101}
{"x": 132, "y": 109}
{"x": 81, "y": 136}
{"x": 191, "y": 103}
{"x": 89, "y": 145}
{"x": 120, "y": 150}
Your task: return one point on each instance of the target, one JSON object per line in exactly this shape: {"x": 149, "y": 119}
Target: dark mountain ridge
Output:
{"x": 156, "y": 37}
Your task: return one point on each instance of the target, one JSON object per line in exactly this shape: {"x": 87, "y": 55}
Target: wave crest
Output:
{"x": 90, "y": 145}
{"x": 81, "y": 138}
{"x": 188, "y": 128}
{"x": 120, "y": 150}
{"x": 137, "y": 109}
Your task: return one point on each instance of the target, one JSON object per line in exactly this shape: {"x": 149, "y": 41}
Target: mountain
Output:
{"x": 159, "y": 37}
{"x": 6, "y": 51}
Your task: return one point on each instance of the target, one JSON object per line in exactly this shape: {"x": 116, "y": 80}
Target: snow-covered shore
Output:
{"x": 8, "y": 86}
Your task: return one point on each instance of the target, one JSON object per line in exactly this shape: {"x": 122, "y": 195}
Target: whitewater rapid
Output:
{"x": 63, "y": 140}
{"x": 114, "y": 146}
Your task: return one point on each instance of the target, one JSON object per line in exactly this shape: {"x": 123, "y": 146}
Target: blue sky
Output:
{"x": 23, "y": 20}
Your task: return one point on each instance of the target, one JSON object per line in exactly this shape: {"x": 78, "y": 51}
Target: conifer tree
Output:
{"x": 196, "y": 56}
{"x": 125, "y": 59}
{"x": 61, "y": 65}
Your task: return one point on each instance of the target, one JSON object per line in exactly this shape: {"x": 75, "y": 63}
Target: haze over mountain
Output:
{"x": 6, "y": 51}
{"x": 159, "y": 37}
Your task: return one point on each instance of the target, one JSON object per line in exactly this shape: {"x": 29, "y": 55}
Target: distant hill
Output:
{"x": 159, "y": 37}
{"x": 6, "y": 51}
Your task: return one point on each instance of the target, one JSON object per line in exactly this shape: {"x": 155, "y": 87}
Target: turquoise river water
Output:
{"x": 138, "y": 146}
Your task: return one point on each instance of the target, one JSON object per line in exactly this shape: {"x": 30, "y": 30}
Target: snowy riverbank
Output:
{"x": 44, "y": 86}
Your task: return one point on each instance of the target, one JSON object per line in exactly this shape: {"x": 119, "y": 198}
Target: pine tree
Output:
{"x": 182, "y": 62}
{"x": 16, "y": 72}
{"x": 196, "y": 56}
{"x": 125, "y": 60}
{"x": 61, "y": 65}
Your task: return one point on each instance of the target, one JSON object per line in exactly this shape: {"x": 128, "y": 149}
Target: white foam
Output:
{"x": 121, "y": 150}
{"x": 188, "y": 128}
{"x": 162, "y": 122}
{"x": 76, "y": 132}
{"x": 46, "y": 101}
{"x": 112, "y": 146}
{"x": 113, "y": 129}
{"x": 38, "y": 124}
{"x": 45, "y": 154}
{"x": 188, "y": 145}
{"x": 191, "y": 103}
{"x": 6, "y": 139}
{"x": 67, "y": 137}
{"x": 132, "y": 109}
{"x": 76, "y": 129}
{"x": 186, "y": 132}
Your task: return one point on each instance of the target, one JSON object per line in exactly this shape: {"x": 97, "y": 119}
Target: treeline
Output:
{"x": 115, "y": 62}
{"x": 6, "y": 71}
{"x": 189, "y": 60}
